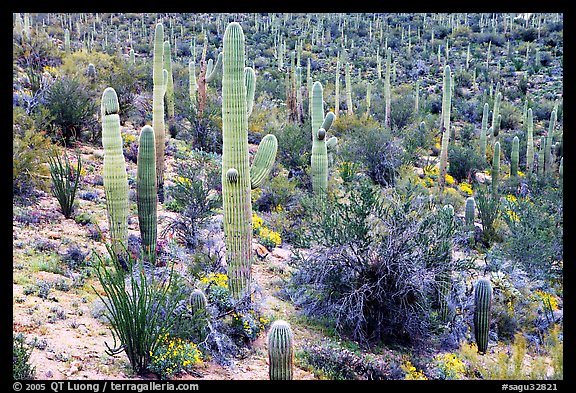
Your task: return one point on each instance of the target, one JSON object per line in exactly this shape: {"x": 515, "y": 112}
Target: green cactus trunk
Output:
{"x": 496, "y": 117}
{"x": 469, "y": 212}
{"x": 146, "y": 192}
{"x": 514, "y": 157}
{"x": 529, "y": 143}
{"x": 349, "y": 109}
{"x": 319, "y": 158}
{"x": 541, "y": 155}
{"x": 484, "y": 131}
{"x": 159, "y": 89}
{"x": 114, "y": 172}
{"x": 236, "y": 172}
{"x": 482, "y": 309}
{"x": 495, "y": 169}
{"x": 198, "y": 302}
{"x": 336, "y": 92}
{"x": 170, "y": 83}
{"x": 280, "y": 351}
{"x": 445, "y": 126}
{"x": 549, "y": 136}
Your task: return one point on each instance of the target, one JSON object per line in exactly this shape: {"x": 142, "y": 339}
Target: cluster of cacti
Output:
{"x": 236, "y": 174}
{"x": 482, "y": 310}
{"x": 114, "y": 172}
{"x": 160, "y": 81}
{"x": 146, "y": 192}
{"x": 320, "y": 125}
{"x": 280, "y": 351}
{"x": 445, "y": 125}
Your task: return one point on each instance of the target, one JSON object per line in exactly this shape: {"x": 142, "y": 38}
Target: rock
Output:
{"x": 282, "y": 253}
{"x": 482, "y": 178}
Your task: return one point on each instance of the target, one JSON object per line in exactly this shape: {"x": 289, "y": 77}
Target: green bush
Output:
{"x": 72, "y": 109}
{"x": 21, "y": 367}
{"x": 464, "y": 162}
{"x": 65, "y": 181}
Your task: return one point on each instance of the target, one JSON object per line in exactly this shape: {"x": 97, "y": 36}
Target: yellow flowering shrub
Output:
{"x": 450, "y": 180}
{"x": 549, "y": 300}
{"x": 269, "y": 238}
{"x": 411, "y": 372}
{"x": 449, "y": 366}
{"x": 465, "y": 188}
{"x": 174, "y": 355}
{"x": 249, "y": 324}
{"x": 257, "y": 223}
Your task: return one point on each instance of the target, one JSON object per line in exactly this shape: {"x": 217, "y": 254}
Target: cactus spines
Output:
{"x": 146, "y": 192}
{"x": 495, "y": 168}
{"x": 159, "y": 89}
{"x": 236, "y": 182}
{"x": 320, "y": 124}
{"x": 263, "y": 160}
{"x": 529, "y": 143}
{"x": 469, "y": 212}
{"x": 482, "y": 309}
{"x": 280, "y": 351}
{"x": 445, "y": 126}
{"x": 114, "y": 172}
{"x": 484, "y": 131}
{"x": 514, "y": 157}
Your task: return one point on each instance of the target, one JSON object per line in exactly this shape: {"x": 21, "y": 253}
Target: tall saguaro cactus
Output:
{"x": 236, "y": 172}
{"x": 484, "y": 131}
{"x": 514, "y": 156}
{"x": 349, "y": 104}
{"x": 320, "y": 124}
{"x": 114, "y": 172}
{"x": 160, "y": 80}
{"x": 167, "y": 60}
{"x": 445, "y": 126}
{"x": 280, "y": 351}
{"x": 146, "y": 193}
{"x": 387, "y": 89}
{"x": 482, "y": 309}
{"x": 549, "y": 136}
{"x": 529, "y": 143}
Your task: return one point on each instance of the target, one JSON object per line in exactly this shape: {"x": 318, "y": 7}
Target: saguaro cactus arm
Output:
{"x": 263, "y": 160}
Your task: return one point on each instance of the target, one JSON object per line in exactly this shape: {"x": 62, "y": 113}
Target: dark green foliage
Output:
{"x": 464, "y": 162}
{"x": 488, "y": 211}
{"x": 21, "y": 367}
{"x": 65, "y": 181}
{"x": 137, "y": 308}
{"x": 72, "y": 109}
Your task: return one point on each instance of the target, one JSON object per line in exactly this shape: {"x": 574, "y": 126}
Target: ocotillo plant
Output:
{"x": 236, "y": 176}
{"x": 445, "y": 125}
{"x": 114, "y": 172}
{"x": 160, "y": 80}
{"x": 482, "y": 309}
{"x": 280, "y": 351}
{"x": 495, "y": 169}
{"x": 320, "y": 125}
{"x": 484, "y": 132}
{"x": 529, "y": 143}
{"x": 514, "y": 157}
{"x": 146, "y": 192}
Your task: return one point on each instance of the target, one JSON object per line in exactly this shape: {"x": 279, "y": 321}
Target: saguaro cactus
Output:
{"x": 529, "y": 143}
{"x": 469, "y": 212}
{"x": 236, "y": 176}
{"x": 320, "y": 124}
{"x": 484, "y": 131}
{"x": 336, "y": 92}
{"x": 160, "y": 80}
{"x": 514, "y": 157}
{"x": 167, "y": 60}
{"x": 445, "y": 126}
{"x": 349, "y": 104}
{"x": 482, "y": 309}
{"x": 548, "y": 150}
{"x": 495, "y": 168}
{"x": 198, "y": 302}
{"x": 280, "y": 351}
{"x": 387, "y": 89}
{"x": 146, "y": 193}
{"x": 114, "y": 172}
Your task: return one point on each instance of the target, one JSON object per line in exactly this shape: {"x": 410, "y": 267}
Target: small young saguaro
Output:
{"x": 482, "y": 309}
{"x": 280, "y": 351}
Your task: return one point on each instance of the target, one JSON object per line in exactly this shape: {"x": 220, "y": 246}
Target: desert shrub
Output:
{"x": 74, "y": 257}
{"x": 402, "y": 105}
{"x": 21, "y": 352}
{"x": 29, "y": 163}
{"x": 278, "y": 193}
{"x": 464, "y": 162}
{"x": 379, "y": 153}
{"x": 173, "y": 356}
{"x": 72, "y": 109}
{"x": 511, "y": 116}
{"x": 295, "y": 144}
{"x": 535, "y": 238}
{"x": 371, "y": 264}
{"x": 488, "y": 212}
{"x": 193, "y": 196}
